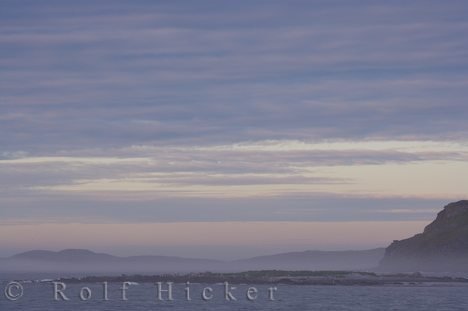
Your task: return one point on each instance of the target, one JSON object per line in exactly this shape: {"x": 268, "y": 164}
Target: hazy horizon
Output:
{"x": 244, "y": 245}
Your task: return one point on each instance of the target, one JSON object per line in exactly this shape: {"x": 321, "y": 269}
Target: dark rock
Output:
{"x": 442, "y": 247}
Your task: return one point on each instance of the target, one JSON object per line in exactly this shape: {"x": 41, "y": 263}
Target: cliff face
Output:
{"x": 442, "y": 247}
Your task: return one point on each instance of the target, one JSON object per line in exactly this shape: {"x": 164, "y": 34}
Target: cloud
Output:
{"x": 140, "y": 74}
{"x": 247, "y": 169}
{"x": 151, "y": 101}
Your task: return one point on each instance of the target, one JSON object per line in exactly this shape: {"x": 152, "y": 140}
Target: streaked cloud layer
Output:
{"x": 184, "y": 176}
{"x": 263, "y": 168}
{"x": 88, "y": 74}
{"x": 210, "y": 111}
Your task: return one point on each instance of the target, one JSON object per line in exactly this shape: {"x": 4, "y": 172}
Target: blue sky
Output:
{"x": 227, "y": 111}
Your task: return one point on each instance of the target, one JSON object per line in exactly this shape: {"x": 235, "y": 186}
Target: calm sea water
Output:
{"x": 39, "y": 296}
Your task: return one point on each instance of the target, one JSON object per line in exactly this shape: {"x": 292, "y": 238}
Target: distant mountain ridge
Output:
{"x": 77, "y": 260}
{"x": 83, "y": 260}
{"x": 443, "y": 246}
{"x": 322, "y": 260}
{"x": 80, "y": 255}
{"x": 63, "y": 255}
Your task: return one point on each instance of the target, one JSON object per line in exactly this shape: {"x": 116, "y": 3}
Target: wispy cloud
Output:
{"x": 249, "y": 169}
{"x": 118, "y": 74}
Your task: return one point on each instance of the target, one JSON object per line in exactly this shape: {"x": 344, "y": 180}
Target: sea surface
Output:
{"x": 40, "y": 296}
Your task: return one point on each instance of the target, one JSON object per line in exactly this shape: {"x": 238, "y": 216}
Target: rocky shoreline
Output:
{"x": 346, "y": 278}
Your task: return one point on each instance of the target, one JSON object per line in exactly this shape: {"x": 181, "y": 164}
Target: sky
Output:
{"x": 229, "y": 129}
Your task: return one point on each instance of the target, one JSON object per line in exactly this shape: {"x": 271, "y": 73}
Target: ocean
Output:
{"x": 40, "y": 296}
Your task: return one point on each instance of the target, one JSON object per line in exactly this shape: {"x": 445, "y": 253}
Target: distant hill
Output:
{"x": 442, "y": 247}
{"x": 84, "y": 255}
{"x": 67, "y": 255}
{"x": 81, "y": 260}
{"x": 316, "y": 260}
